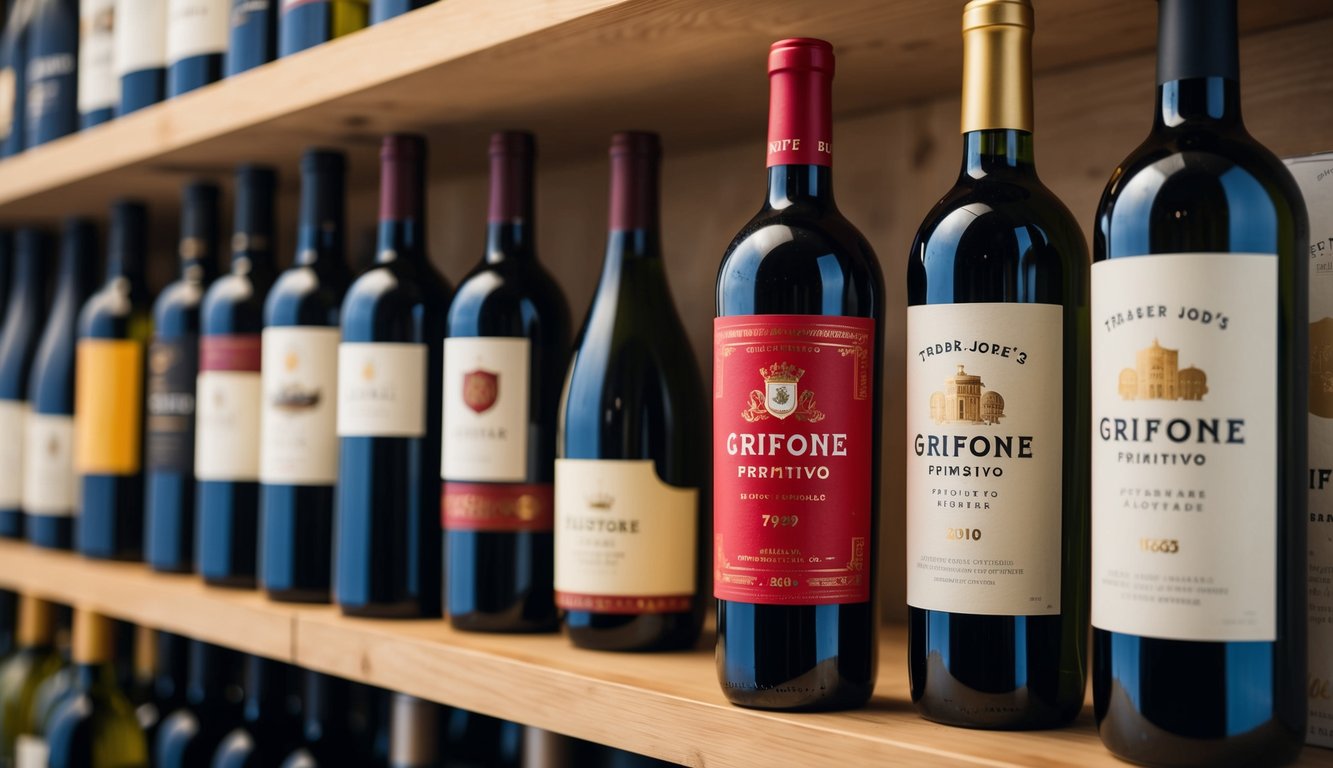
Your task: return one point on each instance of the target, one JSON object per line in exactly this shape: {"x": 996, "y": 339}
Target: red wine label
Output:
{"x": 793, "y": 423}
{"x": 494, "y": 507}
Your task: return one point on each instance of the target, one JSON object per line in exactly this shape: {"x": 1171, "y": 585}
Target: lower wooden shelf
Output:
{"x": 664, "y": 705}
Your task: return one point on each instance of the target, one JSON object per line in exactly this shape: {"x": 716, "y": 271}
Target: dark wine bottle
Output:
{"x": 473, "y": 740}
{"x": 48, "y": 444}
{"x": 414, "y": 728}
{"x": 1199, "y": 485}
{"x": 388, "y": 539}
{"x": 13, "y": 76}
{"x": 307, "y": 23}
{"x": 19, "y": 337}
{"x": 270, "y": 728}
{"x": 9, "y": 604}
{"x": 298, "y": 452}
{"x": 114, "y": 327}
{"x": 140, "y": 57}
{"x": 189, "y": 737}
{"x": 797, "y": 359}
{"x": 325, "y": 737}
{"x": 999, "y": 266}
{"x": 98, "y": 85}
{"x": 383, "y": 10}
{"x": 173, "y": 367}
{"x": 94, "y": 724}
{"x": 51, "y": 82}
{"x": 506, "y": 347}
{"x": 197, "y": 32}
{"x": 226, "y": 448}
{"x": 630, "y": 481}
{"x": 166, "y": 693}
{"x": 35, "y": 660}
{"x": 253, "y": 37}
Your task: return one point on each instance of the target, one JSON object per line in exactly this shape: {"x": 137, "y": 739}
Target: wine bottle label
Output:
{"x": 196, "y": 28}
{"x": 226, "y": 444}
{"x": 52, "y": 84}
{"x": 625, "y": 542}
{"x": 1184, "y": 475}
{"x": 48, "y": 465}
{"x": 31, "y": 752}
{"x": 985, "y": 393}
{"x": 245, "y": 11}
{"x": 381, "y": 389}
{"x": 108, "y": 397}
{"x": 173, "y": 367}
{"x": 13, "y": 421}
{"x": 486, "y": 384}
{"x": 497, "y": 507}
{"x": 142, "y": 44}
{"x": 793, "y": 432}
{"x": 299, "y": 444}
{"x": 8, "y": 92}
{"x": 99, "y": 88}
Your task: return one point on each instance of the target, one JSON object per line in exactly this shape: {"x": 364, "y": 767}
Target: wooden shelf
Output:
{"x": 574, "y": 70}
{"x": 665, "y": 705}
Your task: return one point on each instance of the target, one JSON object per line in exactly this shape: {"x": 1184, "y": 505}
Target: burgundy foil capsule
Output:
{"x": 635, "y": 157}
{"x": 800, "y": 72}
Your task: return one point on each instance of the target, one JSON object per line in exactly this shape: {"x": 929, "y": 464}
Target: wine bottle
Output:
{"x": 253, "y": 35}
{"x": 35, "y": 660}
{"x": 51, "y": 82}
{"x": 6, "y": 268}
{"x": 1199, "y": 408}
{"x": 9, "y": 606}
{"x": 306, "y": 23}
{"x": 94, "y": 725}
{"x": 173, "y": 367}
{"x": 166, "y": 656}
{"x": 48, "y": 443}
{"x": 997, "y": 268}
{"x": 18, "y": 347}
{"x": 630, "y": 478}
{"x": 31, "y": 750}
{"x": 506, "y": 347}
{"x": 189, "y": 736}
{"x": 140, "y": 55}
{"x": 387, "y": 550}
{"x": 414, "y": 728}
{"x": 298, "y": 450}
{"x": 226, "y": 448}
{"x": 368, "y": 723}
{"x": 133, "y": 661}
{"x": 197, "y": 32}
{"x": 383, "y": 10}
{"x": 13, "y": 76}
{"x": 325, "y": 737}
{"x": 98, "y": 85}
{"x": 798, "y": 279}
{"x": 270, "y": 729}
{"x": 473, "y": 739}
{"x": 114, "y": 327}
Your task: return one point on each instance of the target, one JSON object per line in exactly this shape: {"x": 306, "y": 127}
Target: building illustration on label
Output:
{"x": 1321, "y": 368}
{"x": 292, "y": 396}
{"x": 781, "y": 396}
{"x": 481, "y": 389}
{"x": 965, "y": 400}
{"x": 1157, "y": 376}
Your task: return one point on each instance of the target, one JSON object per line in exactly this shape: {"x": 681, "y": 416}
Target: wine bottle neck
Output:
{"x": 29, "y": 270}
{"x": 324, "y": 698}
{"x": 402, "y": 227}
{"x": 94, "y": 643}
{"x": 265, "y": 692}
{"x": 172, "y": 667}
{"x": 1198, "y": 63}
{"x": 807, "y": 184}
{"x": 78, "y": 261}
{"x": 1000, "y": 151}
{"x": 510, "y": 241}
{"x": 997, "y": 67}
{"x": 90, "y": 675}
{"x": 199, "y": 231}
{"x": 212, "y": 671}
{"x": 36, "y": 622}
{"x": 321, "y": 231}
{"x": 510, "y": 233}
{"x": 1204, "y": 100}
{"x": 126, "y": 244}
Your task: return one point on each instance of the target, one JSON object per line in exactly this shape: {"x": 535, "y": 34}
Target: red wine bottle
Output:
{"x": 631, "y": 481}
{"x": 390, "y": 363}
{"x": 189, "y": 736}
{"x": 271, "y": 725}
{"x": 506, "y": 349}
{"x": 19, "y": 335}
{"x": 797, "y": 358}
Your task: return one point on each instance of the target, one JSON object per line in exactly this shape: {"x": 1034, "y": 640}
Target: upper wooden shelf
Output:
{"x": 573, "y": 70}
{"x": 664, "y": 705}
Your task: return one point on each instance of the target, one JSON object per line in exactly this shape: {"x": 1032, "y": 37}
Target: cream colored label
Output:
{"x": 620, "y": 531}
{"x": 485, "y": 410}
{"x": 1184, "y": 476}
{"x": 13, "y": 421}
{"x": 985, "y": 397}
{"x": 7, "y": 95}
{"x": 49, "y": 483}
{"x": 99, "y": 88}
{"x": 381, "y": 390}
{"x": 142, "y": 44}
{"x": 196, "y": 28}
{"x": 299, "y": 443}
{"x": 30, "y": 752}
{"x": 226, "y": 443}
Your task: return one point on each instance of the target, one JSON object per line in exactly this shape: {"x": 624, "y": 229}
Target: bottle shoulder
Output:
{"x": 302, "y": 296}
{"x": 509, "y": 299}
{"x": 234, "y": 303}
{"x": 396, "y": 301}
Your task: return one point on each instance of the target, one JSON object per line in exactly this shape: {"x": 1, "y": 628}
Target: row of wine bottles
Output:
{"x": 109, "y": 693}
{"x": 67, "y": 65}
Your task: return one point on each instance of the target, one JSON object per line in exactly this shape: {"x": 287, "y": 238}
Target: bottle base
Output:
{"x": 295, "y": 595}
{"x": 231, "y": 582}
{"x": 798, "y": 698}
{"x": 409, "y": 610}
{"x": 1011, "y": 718}
{"x": 501, "y": 624}
{"x": 632, "y": 633}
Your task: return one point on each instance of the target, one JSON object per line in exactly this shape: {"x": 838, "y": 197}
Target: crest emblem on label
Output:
{"x": 480, "y": 390}
{"x": 782, "y": 396}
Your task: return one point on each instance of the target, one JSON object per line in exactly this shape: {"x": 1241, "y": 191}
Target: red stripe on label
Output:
{"x": 500, "y": 508}
{"x": 624, "y": 604}
{"x": 239, "y": 352}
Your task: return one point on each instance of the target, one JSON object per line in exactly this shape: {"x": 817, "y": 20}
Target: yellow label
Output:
{"x": 108, "y": 400}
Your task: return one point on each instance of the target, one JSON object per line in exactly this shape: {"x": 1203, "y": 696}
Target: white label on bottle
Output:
{"x": 622, "y": 534}
{"x": 142, "y": 44}
{"x": 299, "y": 430}
{"x": 226, "y": 442}
{"x": 985, "y": 396}
{"x": 99, "y": 88}
{"x": 1184, "y": 474}
{"x": 486, "y": 383}
{"x": 381, "y": 389}
{"x": 196, "y": 28}
{"x": 49, "y": 482}
{"x": 13, "y": 422}
{"x": 31, "y": 752}
{"x": 8, "y": 92}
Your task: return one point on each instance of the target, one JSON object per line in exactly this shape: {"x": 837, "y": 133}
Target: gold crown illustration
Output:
{"x": 601, "y": 500}
{"x": 782, "y": 373}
